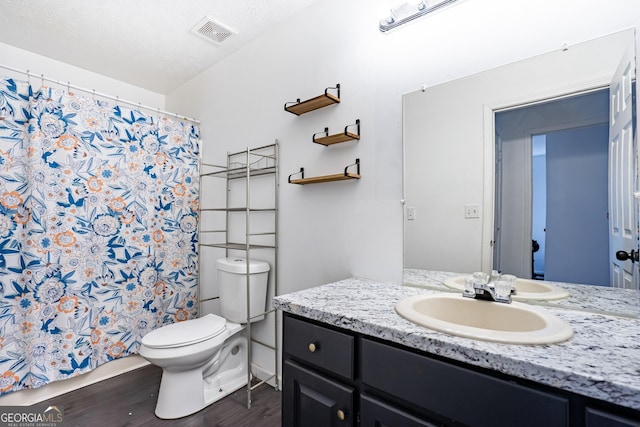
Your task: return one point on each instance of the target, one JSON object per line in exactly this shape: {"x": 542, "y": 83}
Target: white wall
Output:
{"x": 24, "y": 60}
{"x": 332, "y": 231}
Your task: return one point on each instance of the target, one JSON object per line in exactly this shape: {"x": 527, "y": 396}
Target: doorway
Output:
{"x": 551, "y": 190}
{"x": 539, "y": 204}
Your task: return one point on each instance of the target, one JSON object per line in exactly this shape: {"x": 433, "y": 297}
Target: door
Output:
{"x": 577, "y": 229}
{"x": 311, "y": 400}
{"x": 623, "y": 227}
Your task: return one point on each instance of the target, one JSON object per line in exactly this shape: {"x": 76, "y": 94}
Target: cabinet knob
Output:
{"x": 312, "y": 347}
{"x": 340, "y": 414}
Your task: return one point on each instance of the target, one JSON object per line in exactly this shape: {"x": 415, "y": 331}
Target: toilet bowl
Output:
{"x": 202, "y": 361}
{"x": 205, "y": 359}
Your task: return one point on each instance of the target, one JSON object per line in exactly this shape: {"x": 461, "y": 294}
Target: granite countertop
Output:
{"x": 600, "y": 361}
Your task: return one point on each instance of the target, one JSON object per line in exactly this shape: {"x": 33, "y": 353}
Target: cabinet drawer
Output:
{"x": 457, "y": 393}
{"x": 321, "y": 347}
{"x": 375, "y": 413}
{"x": 598, "y": 418}
{"x": 311, "y": 400}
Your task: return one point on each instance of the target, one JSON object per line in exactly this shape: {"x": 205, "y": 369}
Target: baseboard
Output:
{"x": 262, "y": 374}
{"x": 57, "y": 388}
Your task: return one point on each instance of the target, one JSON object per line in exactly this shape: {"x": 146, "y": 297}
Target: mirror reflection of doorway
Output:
{"x": 551, "y": 187}
{"x": 539, "y": 204}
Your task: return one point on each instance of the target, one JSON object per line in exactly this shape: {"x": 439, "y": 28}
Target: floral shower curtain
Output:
{"x": 98, "y": 231}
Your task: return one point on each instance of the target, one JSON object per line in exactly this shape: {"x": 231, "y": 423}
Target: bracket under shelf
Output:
{"x": 299, "y": 108}
{"x": 327, "y": 178}
{"x": 338, "y": 137}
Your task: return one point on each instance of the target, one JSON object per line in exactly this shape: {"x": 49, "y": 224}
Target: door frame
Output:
{"x": 528, "y": 134}
{"x": 489, "y": 143}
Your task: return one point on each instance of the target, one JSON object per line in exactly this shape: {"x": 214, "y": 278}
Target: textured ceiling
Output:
{"x": 147, "y": 43}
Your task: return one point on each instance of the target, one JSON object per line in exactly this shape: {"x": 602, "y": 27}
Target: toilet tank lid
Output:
{"x": 238, "y": 265}
{"x": 185, "y": 333}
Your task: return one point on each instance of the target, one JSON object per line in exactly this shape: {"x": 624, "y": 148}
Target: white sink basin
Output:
{"x": 527, "y": 289}
{"x": 513, "y": 323}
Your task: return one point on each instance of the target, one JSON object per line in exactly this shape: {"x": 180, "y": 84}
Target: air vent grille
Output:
{"x": 212, "y": 30}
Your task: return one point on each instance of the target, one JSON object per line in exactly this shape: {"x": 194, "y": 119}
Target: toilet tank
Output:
{"x": 232, "y": 284}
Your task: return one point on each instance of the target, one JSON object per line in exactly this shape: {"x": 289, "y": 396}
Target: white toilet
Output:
{"x": 205, "y": 359}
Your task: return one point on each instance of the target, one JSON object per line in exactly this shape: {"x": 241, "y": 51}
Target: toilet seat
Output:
{"x": 185, "y": 333}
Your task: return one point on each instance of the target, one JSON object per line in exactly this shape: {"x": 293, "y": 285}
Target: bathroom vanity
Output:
{"x": 349, "y": 359}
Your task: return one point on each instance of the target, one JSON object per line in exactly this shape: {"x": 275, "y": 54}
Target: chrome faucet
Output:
{"x": 496, "y": 287}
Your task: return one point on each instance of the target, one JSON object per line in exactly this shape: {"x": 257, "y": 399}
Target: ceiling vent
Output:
{"x": 212, "y": 30}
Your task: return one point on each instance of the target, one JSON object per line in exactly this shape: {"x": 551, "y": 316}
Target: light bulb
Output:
{"x": 419, "y": 4}
{"x": 385, "y": 11}
{"x": 391, "y": 18}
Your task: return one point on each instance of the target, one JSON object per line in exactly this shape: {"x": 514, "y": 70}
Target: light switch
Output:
{"x": 411, "y": 213}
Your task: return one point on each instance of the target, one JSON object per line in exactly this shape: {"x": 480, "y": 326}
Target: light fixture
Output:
{"x": 409, "y": 11}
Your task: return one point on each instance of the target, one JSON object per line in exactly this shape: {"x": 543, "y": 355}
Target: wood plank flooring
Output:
{"x": 130, "y": 400}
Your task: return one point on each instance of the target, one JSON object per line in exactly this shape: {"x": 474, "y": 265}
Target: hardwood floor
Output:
{"x": 130, "y": 400}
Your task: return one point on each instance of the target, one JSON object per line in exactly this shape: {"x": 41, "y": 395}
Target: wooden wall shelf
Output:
{"x": 327, "y": 178}
{"x": 299, "y": 108}
{"x": 339, "y": 137}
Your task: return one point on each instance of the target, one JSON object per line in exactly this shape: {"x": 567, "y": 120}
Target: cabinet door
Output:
{"x": 311, "y": 400}
{"x": 375, "y": 413}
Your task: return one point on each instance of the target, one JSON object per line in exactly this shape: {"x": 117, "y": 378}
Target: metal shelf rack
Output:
{"x": 247, "y": 165}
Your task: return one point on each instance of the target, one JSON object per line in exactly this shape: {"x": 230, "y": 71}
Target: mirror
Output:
{"x": 449, "y": 161}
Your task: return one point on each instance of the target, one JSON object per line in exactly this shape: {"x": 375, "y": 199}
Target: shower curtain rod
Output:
{"x": 102, "y": 95}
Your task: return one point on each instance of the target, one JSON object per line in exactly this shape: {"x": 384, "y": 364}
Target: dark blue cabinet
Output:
{"x": 335, "y": 377}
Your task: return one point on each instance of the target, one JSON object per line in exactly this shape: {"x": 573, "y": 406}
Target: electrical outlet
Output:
{"x": 472, "y": 211}
{"x": 411, "y": 213}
